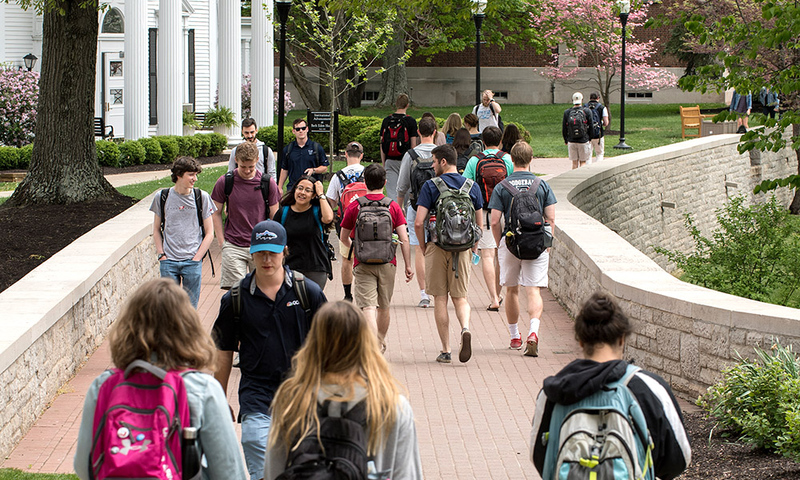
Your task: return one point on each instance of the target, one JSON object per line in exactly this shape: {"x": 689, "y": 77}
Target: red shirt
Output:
{"x": 351, "y": 214}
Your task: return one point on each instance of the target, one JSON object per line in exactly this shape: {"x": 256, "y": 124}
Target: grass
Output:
{"x": 14, "y": 474}
{"x": 8, "y": 186}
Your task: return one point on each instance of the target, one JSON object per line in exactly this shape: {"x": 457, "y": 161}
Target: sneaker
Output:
{"x": 465, "y": 352}
{"x": 348, "y": 299}
{"x": 741, "y": 129}
{"x": 444, "y": 357}
{"x": 235, "y": 363}
{"x": 424, "y": 303}
{"x": 516, "y": 343}
{"x": 532, "y": 346}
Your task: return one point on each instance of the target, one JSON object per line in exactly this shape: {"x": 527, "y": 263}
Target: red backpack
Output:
{"x": 354, "y": 187}
{"x": 138, "y": 422}
{"x": 490, "y": 170}
{"x": 395, "y": 139}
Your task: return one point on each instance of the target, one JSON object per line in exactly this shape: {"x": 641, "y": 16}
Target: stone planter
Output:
{"x": 188, "y": 131}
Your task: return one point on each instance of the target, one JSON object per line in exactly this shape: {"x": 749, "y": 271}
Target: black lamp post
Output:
{"x": 478, "y": 8}
{"x": 624, "y": 10}
{"x": 283, "y": 16}
{"x": 30, "y": 61}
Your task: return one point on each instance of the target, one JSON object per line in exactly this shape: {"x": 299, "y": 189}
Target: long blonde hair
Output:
{"x": 158, "y": 322}
{"x": 340, "y": 345}
{"x": 452, "y": 124}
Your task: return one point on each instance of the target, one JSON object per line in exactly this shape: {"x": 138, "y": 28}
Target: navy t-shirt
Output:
{"x": 271, "y": 333}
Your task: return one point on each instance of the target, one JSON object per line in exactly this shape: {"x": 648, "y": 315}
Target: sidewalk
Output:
{"x": 473, "y": 420}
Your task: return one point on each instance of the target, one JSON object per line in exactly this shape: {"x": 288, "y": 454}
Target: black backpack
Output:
{"x": 198, "y": 204}
{"x": 395, "y": 138}
{"x": 597, "y": 118}
{"x": 421, "y": 172}
{"x": 264, "y": 187}
{"x": 526, "y": 236}
{"x": 339, "y": 453}
{"x": 578, "y": 123}
{"x": 461, "y": 162}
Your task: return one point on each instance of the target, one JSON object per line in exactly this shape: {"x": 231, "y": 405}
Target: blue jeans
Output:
{"x": 255, "y": 430}
{"x": 185, "y": 272}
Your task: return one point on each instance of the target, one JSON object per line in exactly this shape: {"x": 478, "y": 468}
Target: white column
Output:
{"x": 262, "y": 64}
{"x": 134, "y": 70}
{"x": 170, "y": 63}
{"x": 230, "y": 62}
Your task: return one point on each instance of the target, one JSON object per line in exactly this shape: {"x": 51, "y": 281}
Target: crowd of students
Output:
{"x": 307, "y": 363}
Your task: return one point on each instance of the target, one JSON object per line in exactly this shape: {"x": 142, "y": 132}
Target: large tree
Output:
{"x": 64, "y": 166}
{"x": 591, "y": 35}
{"x": 756, "y": 45}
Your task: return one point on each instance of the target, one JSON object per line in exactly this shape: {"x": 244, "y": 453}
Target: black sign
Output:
{"x": 320, "y": 122}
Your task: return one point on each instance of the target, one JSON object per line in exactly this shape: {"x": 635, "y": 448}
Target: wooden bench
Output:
{"x": 691, "y": 119}
{"x": 102, "y": 130}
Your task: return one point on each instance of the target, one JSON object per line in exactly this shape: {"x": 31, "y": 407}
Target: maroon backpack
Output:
{"x": 490, "y": 170}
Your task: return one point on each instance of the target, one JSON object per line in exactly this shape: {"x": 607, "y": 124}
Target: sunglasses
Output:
{"x": 299, "y": 129}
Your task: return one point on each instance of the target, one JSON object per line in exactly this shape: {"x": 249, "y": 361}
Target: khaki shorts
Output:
{"x": 487, "y": 239}
{"x": 440, "y": 278}
{"x": 234, "y": 264}
{"x": 373, "y": 285}
{"x": 580, "y": 152}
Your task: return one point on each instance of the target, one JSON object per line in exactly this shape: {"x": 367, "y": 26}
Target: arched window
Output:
{"x": 113, "y": 22}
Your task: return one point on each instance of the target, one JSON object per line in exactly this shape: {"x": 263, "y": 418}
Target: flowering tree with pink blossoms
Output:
{"x": 591, "y": 36}
{"x": 288, "y": 104}
{"x": 19, "y": 94}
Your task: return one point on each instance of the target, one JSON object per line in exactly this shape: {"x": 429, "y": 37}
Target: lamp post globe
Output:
{"x": 624, "y": 10}
{"x": 283, "y": 7}
{"x": 30, "y": 61}
{"x": 478, "y": 9}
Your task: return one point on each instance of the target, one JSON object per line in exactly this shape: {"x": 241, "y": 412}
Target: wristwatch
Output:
{"x": 161, "y": 255}
{"x": 322, "y": 197}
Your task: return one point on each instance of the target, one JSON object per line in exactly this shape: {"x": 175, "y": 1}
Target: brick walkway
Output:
{"x": 473, "y": 420}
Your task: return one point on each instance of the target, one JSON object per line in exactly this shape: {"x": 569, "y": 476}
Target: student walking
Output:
{"x": 661, "y": 443}
{"x": 340, "y": 369}
{"x": 370, "y": 222}
{"x": 576, "y": 129}
{"x": 528, "y": 231}
{"x": 159, "y": 325}
{"x": 454, "y": 238}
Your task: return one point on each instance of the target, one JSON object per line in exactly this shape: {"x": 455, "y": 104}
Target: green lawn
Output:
{"x": 6, "y": 186}
{"x": 14, "y": 474}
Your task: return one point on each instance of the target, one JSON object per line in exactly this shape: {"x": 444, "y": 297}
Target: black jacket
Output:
{"x": 581, "y": 378}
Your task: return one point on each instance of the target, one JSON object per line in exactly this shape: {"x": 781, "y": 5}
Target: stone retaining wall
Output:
{"x": 58, "y": 314}
{"x": 685, "y": 333}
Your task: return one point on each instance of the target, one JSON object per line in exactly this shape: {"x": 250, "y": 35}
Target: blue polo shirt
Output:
{"x": 271, "y": 333}
{"x": 297, "y": 159}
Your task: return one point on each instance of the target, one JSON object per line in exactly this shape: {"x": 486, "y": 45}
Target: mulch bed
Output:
{"x": 30, "y": 235}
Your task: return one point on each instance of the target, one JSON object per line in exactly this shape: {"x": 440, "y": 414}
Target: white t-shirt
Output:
{"x": 485, "y": 117}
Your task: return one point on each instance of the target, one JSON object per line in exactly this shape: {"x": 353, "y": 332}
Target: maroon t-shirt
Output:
{"x": 351, "y": 215}
{"x": 245, "y": 206}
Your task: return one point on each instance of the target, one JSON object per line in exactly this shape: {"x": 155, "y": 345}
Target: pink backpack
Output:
{"x": 138, "y": 423}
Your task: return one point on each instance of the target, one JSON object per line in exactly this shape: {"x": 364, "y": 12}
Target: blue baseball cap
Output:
{"x": 268, "y": 235}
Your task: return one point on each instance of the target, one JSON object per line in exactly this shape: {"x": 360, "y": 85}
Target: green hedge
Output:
{"x": 107, "y": 153}
{"x": 370, "y": 139}
{"x": 9, "y": 158}
{"x": 25, "y": 156}
{"x": 169, "y": 148}
{"x": 269, "y": 135}
{"x": 131, "y": 152}
{"x": 152, "y": 149}
{"x": 218, "y": 143}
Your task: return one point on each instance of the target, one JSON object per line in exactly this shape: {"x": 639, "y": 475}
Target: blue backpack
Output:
{"x": 602, "y": 437}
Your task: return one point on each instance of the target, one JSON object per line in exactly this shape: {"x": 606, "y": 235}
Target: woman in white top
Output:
{"x": 341, "y": 362}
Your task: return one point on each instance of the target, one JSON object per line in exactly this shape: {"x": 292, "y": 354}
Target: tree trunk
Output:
{"x": 794, "y": 208}
{"x": 394, "y": 80}
{"x": 301, "y": 82}
{"x": 64, "y": 166}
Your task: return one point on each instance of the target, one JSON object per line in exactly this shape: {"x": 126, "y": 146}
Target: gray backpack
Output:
{"x": 373, "y": 232}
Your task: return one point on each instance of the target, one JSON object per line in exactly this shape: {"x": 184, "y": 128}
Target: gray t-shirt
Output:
{"x": 501, "y": 198}
{"x": 270, "y": 161}
{"x": 182, "y": 235}
{"x": 404, "y": 180}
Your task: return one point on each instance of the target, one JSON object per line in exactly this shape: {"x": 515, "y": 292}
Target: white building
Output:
{"x": 157, "y": 57}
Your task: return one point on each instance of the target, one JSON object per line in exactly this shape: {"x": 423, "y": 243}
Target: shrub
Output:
{"x": 25, "y": 154}
{"x": 169, "y": 148}
{"x": 269, "y": 135}
{"x": 188, "y": 146}
{"x": 131, "y": 153}
{"x": 757, "y": 399}
{"x": 9, "y": 158}
{"x": 754, "y": 253}
{"x": 152, "y": 149}
{"x": 19, "y": 94}
{"x": 218, "y": 143}
{"x": 204, "y": 143}
{"x": 107, "y": 153}
{"x": 370, "y": 139}
{"x": 526, "y": 135}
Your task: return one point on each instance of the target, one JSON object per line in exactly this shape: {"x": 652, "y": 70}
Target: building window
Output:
{"x": 116, "y": 68}
{"x": 369, "y": 96}
{"x": 640, "y": 95}
{"x": 113, "y": 22}
{"x": 116, "y": 96}
{"x": 152, "y": 74}
{"x": 501, "y": 95}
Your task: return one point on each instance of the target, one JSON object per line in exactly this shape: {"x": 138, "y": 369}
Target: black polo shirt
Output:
{"x": 271, "y": 333}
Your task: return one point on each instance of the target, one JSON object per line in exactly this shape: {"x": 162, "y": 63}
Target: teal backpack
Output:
{"x": 602, "y": 437}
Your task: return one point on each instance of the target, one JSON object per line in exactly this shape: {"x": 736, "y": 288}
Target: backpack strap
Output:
{"x": 164, "y": 195}
{"x": 264, "y": 187}
{"x": 198, "y": 204}
{"x": 466, "y": 186}
{"x": 236, "y": 305}
{"x": 228, "y": 184}
{"x": 315, "y": 211}
{"x": 284, "y": 213}
{"x": 146, "y": 366}
{"x": 301, "y": 290}
{"x": 514, "y": 191}
{"x": 414, "y": 155}
{"x": 440, "y": 185}
{"x": 343, "y": 180}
